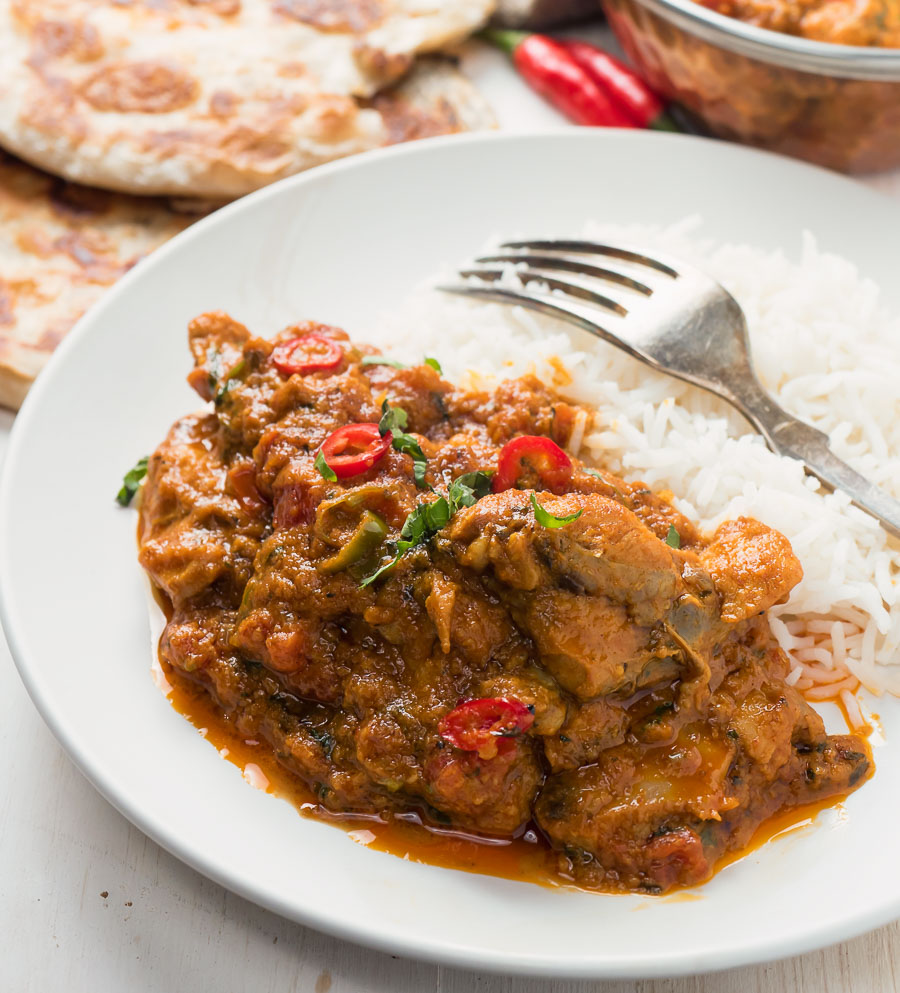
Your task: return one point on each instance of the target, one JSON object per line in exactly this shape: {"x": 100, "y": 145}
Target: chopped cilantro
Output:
{"x": 429, "y": 518}
{"x": 673, "y": 538}
{"x": 469, "y": 488}
{"x": 131, "y": 481}
{"x": 394, "y": 419}
{"x": 382, "y": 360}
{"x": 434, "y": 365}
{"x": 233, "y": 376}
{"x": 548, "y": 520}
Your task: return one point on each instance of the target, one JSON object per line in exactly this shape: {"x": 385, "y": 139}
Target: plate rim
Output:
{"x": 434, "y": 949}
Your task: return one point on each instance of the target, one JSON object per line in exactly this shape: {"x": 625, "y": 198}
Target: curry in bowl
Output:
{"x": 842, "y": 22}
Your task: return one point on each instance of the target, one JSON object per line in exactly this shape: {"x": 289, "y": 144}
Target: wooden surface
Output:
{"x": 88, "y": 903}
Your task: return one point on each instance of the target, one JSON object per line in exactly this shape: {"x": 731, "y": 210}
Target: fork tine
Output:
{"x": 593, "y": 248}
{"x": 535, "y": 275}
{"x": 571, "y": 265}
{"x": 545, "y": 303}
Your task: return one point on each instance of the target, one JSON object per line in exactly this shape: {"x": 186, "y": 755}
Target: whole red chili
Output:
{"x": 486, "y": 725}
{"x": 551, "y": 70}
{"x": 354, "y": 448}
{"x": 532, "y": 459}
{"x": 623, "y": 86}
{"x": 308, "y": 353}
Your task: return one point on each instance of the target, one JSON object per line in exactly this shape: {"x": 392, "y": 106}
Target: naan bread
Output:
{"x": 209, "y": 98}
{"x": 62, "y": 245}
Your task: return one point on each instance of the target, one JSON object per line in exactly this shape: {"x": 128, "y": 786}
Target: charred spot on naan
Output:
{"x": 62, "y": 246}
{"x": 140, "y": 87}
{"x": 55, "y": 39}
{"x": 224, "y": 8}
{"x": 354, "y": 16}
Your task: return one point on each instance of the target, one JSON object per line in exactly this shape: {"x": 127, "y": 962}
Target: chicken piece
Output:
{"x": 216, "y": 341}
{"x": 710, "y": 789}
{"x": 490, "y": 795}
{"x": 611, "y": 607}
{"x": 589, "y": 730}
{"x": 193, "y": 533}
{"x": 752, "y": 566}
{"x": 535, "y": 689}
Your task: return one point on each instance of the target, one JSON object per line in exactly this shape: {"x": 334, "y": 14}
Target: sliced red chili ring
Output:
{"x": 308, "y": 353}
{"x": 484, "y": 725}
{"x": 532, "y": 459}
{"x": 354, "y": 448}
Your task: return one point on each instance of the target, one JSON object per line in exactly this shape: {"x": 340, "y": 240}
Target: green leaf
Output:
{"x": 427, "y": 519}
{"x": 393, "y": 419}
{"x": 131, "y": 481}
{"x": 469, "y": 488}
{"x": 214, "y": 368}
{"x": 434, "y": 365}
{"x": 548, "y": 520}
{"x": 234, "y": 375}
{"x": 673, "y": 538}
{"x": 408, "y": 445}
{"x": 383, "y": 569}
{"x": 382, "y": 360}
{"x": 325, "y": 470}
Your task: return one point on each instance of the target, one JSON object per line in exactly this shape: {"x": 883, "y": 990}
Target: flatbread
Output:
{"x": 62, "y": 245}
{"x": 209, "y": 98}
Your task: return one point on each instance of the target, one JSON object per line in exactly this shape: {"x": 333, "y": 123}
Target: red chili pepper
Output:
{"x": 530, "y": 456}
{"x": 624, "y": 86}
{"x": 354, "y": 448}
{"x": 549, "y": 69}
{"x": 485, "y": 726}
{"x": 308, "y": 353}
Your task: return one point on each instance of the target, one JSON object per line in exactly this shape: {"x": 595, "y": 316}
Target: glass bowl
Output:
{"x": 836, "y": 105}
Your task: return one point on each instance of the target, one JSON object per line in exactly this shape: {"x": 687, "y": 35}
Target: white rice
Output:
{"x": 822, "y": 344}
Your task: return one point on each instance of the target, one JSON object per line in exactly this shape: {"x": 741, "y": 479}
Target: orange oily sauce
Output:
{"x": 526, "y": 858}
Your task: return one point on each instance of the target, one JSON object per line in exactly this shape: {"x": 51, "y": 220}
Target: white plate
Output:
{"x": 340, "y": 244}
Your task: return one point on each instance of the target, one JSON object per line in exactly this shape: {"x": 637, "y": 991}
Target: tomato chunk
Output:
{"x": 308, "y": 353}
{"x": 531, "y": 462}
{"x": 354, "y": 448}
{"x": 242, "y": 483}
{"x": 485, "y": 726}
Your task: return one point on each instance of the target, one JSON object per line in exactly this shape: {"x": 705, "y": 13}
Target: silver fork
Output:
{"x": 675, "y": 318}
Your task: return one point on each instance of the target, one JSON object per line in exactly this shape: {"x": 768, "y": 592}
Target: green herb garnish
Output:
{"x": 673, "y": 538}
{"x": 233, "y": 376}
{"x": 429, "y": 518}
{"x": 434, "y": 365}
{"x": 469, "y": 488}
{"x": 548, "y": 520}
{"x": 325, "y": 470}
{"x": 394, "y": 419}
{"x": 131, "y": 481}
{"x": 382, "y": 360}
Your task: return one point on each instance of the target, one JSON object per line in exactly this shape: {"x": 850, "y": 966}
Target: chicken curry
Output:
{"x": 841, "y": 22}
{"x": 420, "y": 602}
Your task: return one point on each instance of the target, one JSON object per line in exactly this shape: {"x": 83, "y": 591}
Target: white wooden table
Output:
{"x": 88, "y": 903}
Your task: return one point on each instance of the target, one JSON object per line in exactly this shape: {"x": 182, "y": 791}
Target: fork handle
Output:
{"x": 787, "y": 435}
